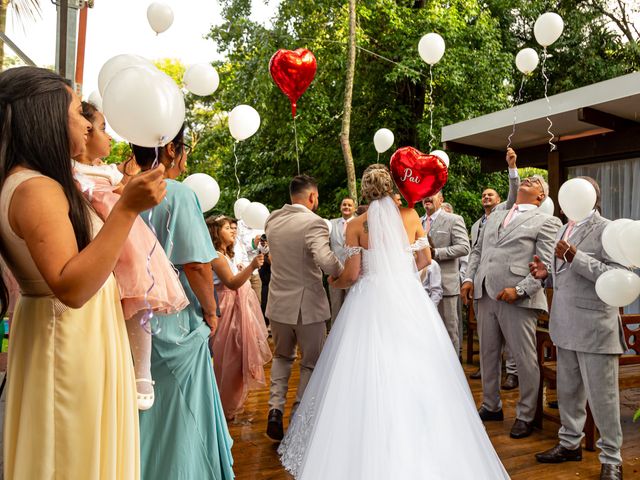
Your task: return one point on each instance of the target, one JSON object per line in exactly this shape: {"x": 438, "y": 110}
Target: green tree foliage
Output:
{"x": 476, "y": 76}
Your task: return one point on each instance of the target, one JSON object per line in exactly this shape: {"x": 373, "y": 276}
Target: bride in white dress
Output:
{"x": 388, "y": 398}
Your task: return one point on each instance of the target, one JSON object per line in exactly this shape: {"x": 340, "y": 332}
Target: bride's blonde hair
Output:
{"x": 376, "y": 182}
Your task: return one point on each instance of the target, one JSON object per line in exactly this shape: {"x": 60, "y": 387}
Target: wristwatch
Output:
{"x": 520, "y": 291}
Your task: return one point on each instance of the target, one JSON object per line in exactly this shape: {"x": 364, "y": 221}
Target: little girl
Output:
{"x": 240, "y": 347}
{"x": 102, "y": 186}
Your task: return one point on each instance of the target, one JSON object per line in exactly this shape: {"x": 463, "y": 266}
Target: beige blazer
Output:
{"x": 299, "y": 249}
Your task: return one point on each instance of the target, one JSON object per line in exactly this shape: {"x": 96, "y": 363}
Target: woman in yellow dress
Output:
{"x": 71, "y": 399}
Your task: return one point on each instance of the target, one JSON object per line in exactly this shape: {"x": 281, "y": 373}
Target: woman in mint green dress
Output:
{"x": 184, "y": 436}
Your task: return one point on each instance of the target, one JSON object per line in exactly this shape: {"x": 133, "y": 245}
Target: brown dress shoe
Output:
{"x": 476, "y": 375}
{"x": 510, "y": 382}
{"x": 521, "y": 429}
{"x": 559, "y": 454}
{"x": 489, "y": 416}
{"x": 610, "y": 472}
{"x": 275, "y": 430}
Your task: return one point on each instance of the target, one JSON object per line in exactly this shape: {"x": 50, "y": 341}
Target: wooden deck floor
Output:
{"x": 256, "y": 459}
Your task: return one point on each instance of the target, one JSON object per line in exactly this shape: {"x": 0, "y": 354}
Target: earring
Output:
{"x": 173, "y": 164}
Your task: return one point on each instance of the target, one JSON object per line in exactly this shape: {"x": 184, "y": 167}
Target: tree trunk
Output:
{"x": 3, "y": 25}
{"x": 348, "y": 95}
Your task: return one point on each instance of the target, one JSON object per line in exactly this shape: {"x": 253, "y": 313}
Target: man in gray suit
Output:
{"x": 589, "y": 338}
{"x": 338, "y": 229}
{"x": 298, "y": 305}
{"x": 449, "y": 235}
{"x": 509, "y": 297}
{"x": 491, "y": 201}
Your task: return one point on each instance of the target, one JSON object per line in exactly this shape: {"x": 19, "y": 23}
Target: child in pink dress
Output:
{"x": 102, "y": 186}
{"x": 240, "y": 346}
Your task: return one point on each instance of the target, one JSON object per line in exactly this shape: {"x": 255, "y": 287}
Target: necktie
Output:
{"x": 427, "y": 225}
{"x": 570, "y": 226}
{"x": 510, "y": 215}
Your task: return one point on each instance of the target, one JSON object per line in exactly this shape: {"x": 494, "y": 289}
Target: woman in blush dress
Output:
{"x": 240, "y": 347}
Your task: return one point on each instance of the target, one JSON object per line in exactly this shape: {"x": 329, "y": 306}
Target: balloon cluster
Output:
{"x": 253, "y": 214}
{"x": 620, "y": 240}
{"x": 546, "y": 30}
{"x": 142, "y": 104}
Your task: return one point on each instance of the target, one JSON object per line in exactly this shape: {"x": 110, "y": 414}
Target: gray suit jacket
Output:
{"x": 514, "y": 185}
{"x": 451, "y": 241}
{"x": 336, "y": 239}
{"x": 579, "y": 320}
{"x": 501, "y": 257}
{"x": 299, "y": 249}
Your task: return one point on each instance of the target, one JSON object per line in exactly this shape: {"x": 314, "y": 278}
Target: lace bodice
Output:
{"x": 366, "y": 267}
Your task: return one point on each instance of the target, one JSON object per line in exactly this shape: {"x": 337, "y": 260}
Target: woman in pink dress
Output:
{"x": 102, "y": 185}
{"x": 240, "y": 346}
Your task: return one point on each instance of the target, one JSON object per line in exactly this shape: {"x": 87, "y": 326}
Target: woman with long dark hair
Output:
{"x": 185, "y": 434}
{"x": 71, "y": 402}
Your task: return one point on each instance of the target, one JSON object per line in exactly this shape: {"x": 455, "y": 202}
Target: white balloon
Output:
{"x": 160, "y": 16}
{"x": 115, "y": 65}
{"x": 618, "y": 287}
{"x": 612, "y": 240}
{"x": 547, "y": 206}
{"x": 239, "y": 206}
{"x": 382, "y": 140}
{"x": 329, "y": 224}
{"x": 548, "y": 28}
{"x": 577, "y": 197}
{"x": 144, "y": 106}
{"x": 255, "y": 215}
{"x": 244, "y": 121}
{"x": 630, "y": 242}
{"x": 431, "y": 48}
{"x": 527, "y": 60}
{"x": 206, "y": 188}
{"x": 95, "y": 99}
{"x": 201, "y": 79}
{"x": 442, "y": 155}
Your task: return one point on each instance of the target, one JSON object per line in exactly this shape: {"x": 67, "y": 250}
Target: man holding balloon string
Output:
{"x": 587, "y": 332}
{"x": 510, "y": 298}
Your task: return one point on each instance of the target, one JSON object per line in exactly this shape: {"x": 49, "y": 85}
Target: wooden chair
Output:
{"x": 629, "y": 374}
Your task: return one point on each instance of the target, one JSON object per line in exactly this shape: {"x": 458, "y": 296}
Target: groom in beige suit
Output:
{"x": 298, "y": 305}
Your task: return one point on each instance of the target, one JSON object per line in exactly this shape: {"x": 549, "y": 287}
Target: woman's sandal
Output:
{"x": 145, "y": 400}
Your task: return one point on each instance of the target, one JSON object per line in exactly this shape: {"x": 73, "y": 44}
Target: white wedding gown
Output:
{"x": 388, "y": 398}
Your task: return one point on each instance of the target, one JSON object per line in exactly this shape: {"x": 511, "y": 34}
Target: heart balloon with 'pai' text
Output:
{"x": 293, "y": 72}
{"x": 417, "y": 175}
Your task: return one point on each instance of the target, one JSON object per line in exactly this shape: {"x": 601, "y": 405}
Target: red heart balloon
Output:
{"x": 293, "y": 72}
{"x": 417, "y": 174}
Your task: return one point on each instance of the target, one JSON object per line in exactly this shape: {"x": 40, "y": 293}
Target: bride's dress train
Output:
{"x": 388, "y": 398}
